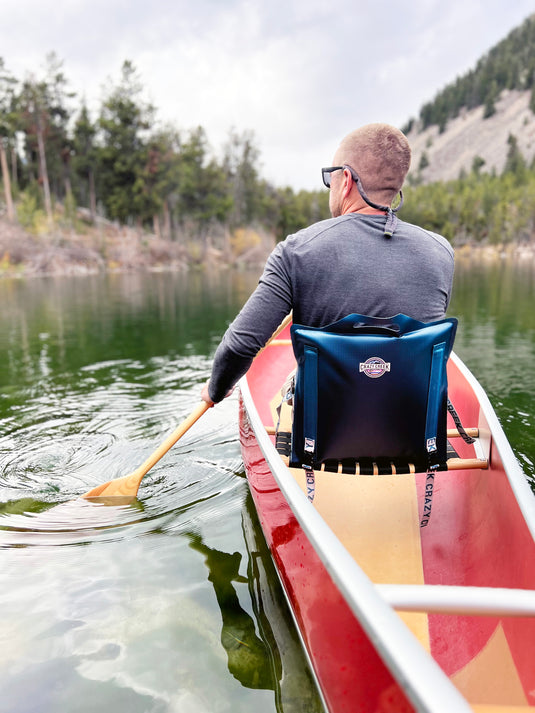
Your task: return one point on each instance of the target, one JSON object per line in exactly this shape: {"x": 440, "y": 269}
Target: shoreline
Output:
{"x": 522, "y": 252}
{"x": 111, "y": 249}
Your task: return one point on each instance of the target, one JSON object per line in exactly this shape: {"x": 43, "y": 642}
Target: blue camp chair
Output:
{"x": 371, "y": 394}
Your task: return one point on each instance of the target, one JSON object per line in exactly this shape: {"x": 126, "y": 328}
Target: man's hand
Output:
{"x": 205, "y": 396}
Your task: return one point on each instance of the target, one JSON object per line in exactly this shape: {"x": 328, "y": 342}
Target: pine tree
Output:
{"x": 35, "y": 120}
{"x": 240, "y": 163}
{"x": 515, "y": 162}
{"x": 157, "y": 183}
{"x": 85, "y": 159}
{"x": 58, "y": 144}
{"x": 8, "y": 119}
{"x": 203, "y": 191}
{"x": 124, "y": 122}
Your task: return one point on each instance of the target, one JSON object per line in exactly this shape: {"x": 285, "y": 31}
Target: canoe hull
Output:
{"x": 477, "y": 536}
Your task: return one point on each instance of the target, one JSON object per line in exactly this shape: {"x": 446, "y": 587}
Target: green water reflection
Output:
{"x": 56, "y": 326}
{"x": 271, "y": 658}
{"x": 496, "y": 338}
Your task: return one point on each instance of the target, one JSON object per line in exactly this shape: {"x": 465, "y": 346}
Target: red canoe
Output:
{"x": 395, "y": 616}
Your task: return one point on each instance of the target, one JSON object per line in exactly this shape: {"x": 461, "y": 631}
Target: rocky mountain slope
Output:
{"x": 469, "y": 135}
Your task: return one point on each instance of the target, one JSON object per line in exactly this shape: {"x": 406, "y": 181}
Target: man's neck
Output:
{"x": 367, "y": 209}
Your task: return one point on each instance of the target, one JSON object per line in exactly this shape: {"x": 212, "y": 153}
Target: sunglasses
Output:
{"x": 326, "y": 174}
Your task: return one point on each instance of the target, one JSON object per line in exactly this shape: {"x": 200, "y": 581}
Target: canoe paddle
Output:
{"x": 123, "y": 490}
{"x": 127, "y": 486}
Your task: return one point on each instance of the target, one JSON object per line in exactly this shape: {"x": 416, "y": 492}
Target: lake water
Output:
{"x": 171, "y": 603}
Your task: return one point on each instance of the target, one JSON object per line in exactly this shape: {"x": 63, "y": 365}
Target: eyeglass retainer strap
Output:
{"x": 391, "y": 219}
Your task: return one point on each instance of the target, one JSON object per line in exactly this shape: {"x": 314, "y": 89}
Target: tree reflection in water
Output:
{"x": 273, "y": 658}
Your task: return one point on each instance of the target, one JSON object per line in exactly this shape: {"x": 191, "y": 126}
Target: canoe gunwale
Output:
{"x": 422, "y": 679}
{"x": 518, "y": 481}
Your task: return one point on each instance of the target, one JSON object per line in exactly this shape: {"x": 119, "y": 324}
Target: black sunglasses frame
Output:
{"x": 326, "y": 174}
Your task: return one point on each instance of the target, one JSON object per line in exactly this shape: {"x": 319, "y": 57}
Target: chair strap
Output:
{"x": 436, "y": 378}
{"x": 457, "y": 421}
{"x": 310, "y": 415}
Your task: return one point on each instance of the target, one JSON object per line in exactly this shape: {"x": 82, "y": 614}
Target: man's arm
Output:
{"x": 261, "y": 315}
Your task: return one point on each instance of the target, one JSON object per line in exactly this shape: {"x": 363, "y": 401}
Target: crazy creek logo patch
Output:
{"x": 374, "y": 367}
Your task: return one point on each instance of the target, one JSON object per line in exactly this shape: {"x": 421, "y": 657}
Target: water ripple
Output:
{"x": 48, "y": 457}
{"x": 75, "y": 522}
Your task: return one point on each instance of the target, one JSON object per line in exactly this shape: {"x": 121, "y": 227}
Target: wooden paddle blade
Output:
{"x": 128, "y": 485}
{"x": 125, "y": 488}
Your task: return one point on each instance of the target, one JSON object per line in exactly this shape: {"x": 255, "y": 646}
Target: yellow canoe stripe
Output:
{"x": 491, "y": 676}
{"x": 501, "y": 709}
{"x": 382, "y": 533}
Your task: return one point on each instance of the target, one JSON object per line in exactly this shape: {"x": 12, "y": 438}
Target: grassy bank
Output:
{"x": 111, "y": 247}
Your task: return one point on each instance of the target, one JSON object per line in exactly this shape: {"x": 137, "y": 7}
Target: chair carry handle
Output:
{"x": 390, "y": 330}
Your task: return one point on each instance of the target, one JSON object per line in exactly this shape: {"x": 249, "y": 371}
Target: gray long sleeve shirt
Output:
{"x": 334, "y": 268}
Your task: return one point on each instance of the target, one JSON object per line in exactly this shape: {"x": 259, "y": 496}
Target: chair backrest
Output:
{"x": 373, "y": 390}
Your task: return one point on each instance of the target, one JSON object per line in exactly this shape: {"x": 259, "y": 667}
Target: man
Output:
{"x": 363, "y": 260}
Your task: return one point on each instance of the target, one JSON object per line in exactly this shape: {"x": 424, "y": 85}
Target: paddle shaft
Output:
{"x": 191, "y": 419}
{"x": 171, "y": 439}
{"x": 128, "y": 485}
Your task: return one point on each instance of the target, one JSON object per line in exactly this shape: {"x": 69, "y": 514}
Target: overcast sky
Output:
{"x": 299, "y": 73}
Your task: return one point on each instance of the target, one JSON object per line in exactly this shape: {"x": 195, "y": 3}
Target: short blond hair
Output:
{"x": 381, "y": 156}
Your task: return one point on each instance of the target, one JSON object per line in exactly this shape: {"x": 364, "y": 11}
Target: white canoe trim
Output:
{"x": 469, "y": 601}
{"x": 517, "y": 479}
{"x": 421, "y": 678}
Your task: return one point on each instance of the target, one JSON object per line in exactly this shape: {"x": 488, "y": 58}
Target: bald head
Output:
{"x": 381, "y": 156}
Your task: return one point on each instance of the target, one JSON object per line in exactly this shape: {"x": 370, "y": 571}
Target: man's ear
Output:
{"x": 348, "y": 183}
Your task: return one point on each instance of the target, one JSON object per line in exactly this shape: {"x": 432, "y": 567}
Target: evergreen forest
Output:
{"x": 508, "y": 65}
{"x": 478, "y": 208}
{"x": 61, "y": 166}
{"x": 59, "y": 163}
